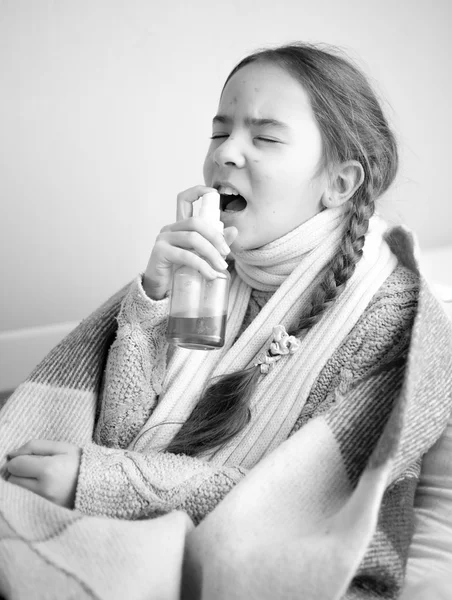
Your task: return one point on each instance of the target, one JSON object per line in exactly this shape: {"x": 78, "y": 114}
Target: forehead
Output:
{"x": 265, "y": 89}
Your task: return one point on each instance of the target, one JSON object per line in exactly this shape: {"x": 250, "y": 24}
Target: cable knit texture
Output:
{"x": 129, "y": 485}
{"x": 378, "y": 339}
{"x": 135, "y": 368}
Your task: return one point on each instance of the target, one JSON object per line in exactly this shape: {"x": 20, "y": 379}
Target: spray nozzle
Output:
{"x": 208, "y": 208}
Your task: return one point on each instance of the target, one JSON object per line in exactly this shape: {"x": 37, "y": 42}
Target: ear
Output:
{"x": 344, "y": 183}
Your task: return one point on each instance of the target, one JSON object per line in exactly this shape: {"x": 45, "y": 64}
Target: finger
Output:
{"x": 180, "y": 256}
{"x": 25, "y": 466}
{"x": 40, "y": 447}
{"x": 186, "y": 198}
{"x": 28, "y": 484}
{"x": 194, "y": 241}
{"x": 203, "y": 228}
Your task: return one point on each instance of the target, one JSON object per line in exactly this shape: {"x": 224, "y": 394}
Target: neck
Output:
{"x": 267, "y": 267}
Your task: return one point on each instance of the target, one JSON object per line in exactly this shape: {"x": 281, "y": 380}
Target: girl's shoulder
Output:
{"x": 380, "y": 339}
{"x": 403, "y": 282}
{"x": 382, "y": 333}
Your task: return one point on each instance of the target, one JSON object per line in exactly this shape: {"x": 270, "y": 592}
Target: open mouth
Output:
{"x": 231, "y": 201}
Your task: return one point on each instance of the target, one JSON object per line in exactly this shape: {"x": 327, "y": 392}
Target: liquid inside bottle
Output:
{"x": 198, "y": 310}
{"x": 197, "y": 333}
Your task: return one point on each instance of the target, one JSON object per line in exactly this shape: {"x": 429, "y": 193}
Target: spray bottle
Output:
{"x": 198, "y": 306}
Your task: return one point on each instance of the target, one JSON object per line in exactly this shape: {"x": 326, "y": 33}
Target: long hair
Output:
{"x": 353, "y": 127}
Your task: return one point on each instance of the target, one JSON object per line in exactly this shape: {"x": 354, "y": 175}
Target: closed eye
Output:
{"x": 264, "y": 139}
{"x": 220, "y": 136}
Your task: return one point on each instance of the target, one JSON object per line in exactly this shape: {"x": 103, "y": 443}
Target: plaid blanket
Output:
{"x": 324, "y": 516}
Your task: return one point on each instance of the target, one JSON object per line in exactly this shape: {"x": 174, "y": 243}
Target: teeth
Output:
{"x": 228, "y": 191}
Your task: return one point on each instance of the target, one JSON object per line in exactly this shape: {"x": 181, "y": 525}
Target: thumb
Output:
{"x": 230, "y": 233}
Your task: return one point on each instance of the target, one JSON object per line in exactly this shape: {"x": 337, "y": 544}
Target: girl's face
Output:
{"x": 266, "y": 146}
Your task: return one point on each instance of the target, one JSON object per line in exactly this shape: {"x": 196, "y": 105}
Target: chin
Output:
{"x": 248, "y": 242}
{"x": 238, "y": 245}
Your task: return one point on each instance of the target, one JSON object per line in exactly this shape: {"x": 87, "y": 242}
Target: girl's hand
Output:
{"x": 47, "y": 468}
{"x": 177, "y": 244}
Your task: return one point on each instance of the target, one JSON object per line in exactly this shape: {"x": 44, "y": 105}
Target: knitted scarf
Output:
{"x": 290, "y": 265}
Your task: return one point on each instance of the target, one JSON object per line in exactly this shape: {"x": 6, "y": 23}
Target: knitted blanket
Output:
{"x": 318, "y": 518}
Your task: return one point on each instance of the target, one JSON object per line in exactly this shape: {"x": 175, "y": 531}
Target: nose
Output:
{"x": 229, "y": 153}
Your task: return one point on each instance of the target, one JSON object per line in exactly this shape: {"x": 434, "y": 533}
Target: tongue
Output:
{"x": 236, "y": 204}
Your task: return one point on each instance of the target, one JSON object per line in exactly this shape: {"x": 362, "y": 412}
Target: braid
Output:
{"x": 207, "y": 426}
{"x": 343, "y": 265}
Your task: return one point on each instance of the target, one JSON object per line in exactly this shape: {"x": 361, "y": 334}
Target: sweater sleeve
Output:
{"x": 135, "y": 368}
{"x": 129, "y": 485}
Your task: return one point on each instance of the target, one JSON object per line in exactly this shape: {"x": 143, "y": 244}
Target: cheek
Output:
{"x": 299, "y": 177}
{"x": 266, "y": 180}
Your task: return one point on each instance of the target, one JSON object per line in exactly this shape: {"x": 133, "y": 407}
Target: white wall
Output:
{"x": 105, "y": 110}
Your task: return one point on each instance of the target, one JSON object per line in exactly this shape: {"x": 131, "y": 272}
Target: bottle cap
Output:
{"x": 210, "y": 209}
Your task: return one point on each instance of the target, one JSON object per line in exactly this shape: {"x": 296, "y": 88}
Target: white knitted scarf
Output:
{"x": 291, "y": 266}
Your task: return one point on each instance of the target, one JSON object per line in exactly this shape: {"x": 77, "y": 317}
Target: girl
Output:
{"x": 321, "y": 311}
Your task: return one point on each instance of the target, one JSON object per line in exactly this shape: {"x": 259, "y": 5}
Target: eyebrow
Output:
{"x": 250, "y": 121}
